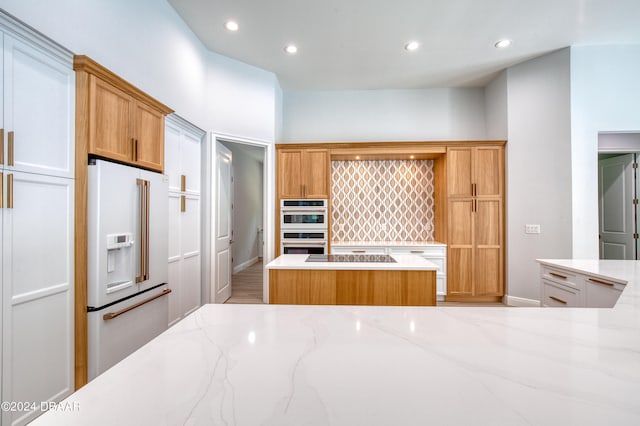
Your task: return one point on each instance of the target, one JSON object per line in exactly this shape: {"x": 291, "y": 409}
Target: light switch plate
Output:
{"x": 532, "y": 229}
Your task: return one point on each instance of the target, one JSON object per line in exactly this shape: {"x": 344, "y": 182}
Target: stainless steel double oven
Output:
{"x": 304, "y": 227}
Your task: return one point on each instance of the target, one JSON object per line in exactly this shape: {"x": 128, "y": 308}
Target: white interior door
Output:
{"x": 616, "y": 192}
{"x": 223, "y": 225}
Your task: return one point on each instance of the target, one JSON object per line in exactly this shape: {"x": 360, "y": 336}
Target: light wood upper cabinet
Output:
{"x": 124, "y": 123}
{"x": 303, "y": 173}
{"x": 148, "y": 133}
{"x": 110, "y": 118}
{"x": 475, "y": 171}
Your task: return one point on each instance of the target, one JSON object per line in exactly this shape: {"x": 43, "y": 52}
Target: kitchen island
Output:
{"x": 352, "y": 279}
{"x": 371, "y": 365}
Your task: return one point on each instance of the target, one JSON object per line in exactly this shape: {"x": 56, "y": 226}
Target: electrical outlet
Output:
{"x": 531, "y": 229}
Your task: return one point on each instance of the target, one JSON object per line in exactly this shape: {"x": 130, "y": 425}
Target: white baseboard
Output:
{"x": 244, "y": 265}
{"x": 521, "y": 302}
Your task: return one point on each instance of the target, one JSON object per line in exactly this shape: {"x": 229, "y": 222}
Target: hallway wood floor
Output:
{"x": 246, "y": 286}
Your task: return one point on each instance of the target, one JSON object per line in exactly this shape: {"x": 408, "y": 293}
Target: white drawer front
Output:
{"x": 358, "y": 250}
{"x": 436, "y": 250}
{"x": 560, "y": 276}
{"x": 559, "y": 296}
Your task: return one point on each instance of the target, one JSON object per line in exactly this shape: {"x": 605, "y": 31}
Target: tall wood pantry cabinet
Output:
{"x": 304, "y": 173}
{"x": 37, "y": 216}
{"x": 183, "y": 143}
{"x": 475, "y": 206}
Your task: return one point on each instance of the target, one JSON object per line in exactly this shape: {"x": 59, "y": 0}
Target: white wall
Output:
{"x": 148, "y": 44}
{"x": 605, "y": 97}
{"x": 384, "y": 115}
{"x": 538, "y": 168}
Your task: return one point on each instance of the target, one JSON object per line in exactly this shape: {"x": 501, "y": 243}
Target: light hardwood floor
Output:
{"x": 246, "y": 286}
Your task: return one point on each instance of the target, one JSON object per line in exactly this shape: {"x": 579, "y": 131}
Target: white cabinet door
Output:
{"x": 39, "y": 111}
{"x": 183, "y": 145}
{"x": 37, "y": 278}
{"x": 172, "y": 136}
{"x": 191, "y": 298}
{"x": 190, "y": 162}
{"x": 600, "y": 293}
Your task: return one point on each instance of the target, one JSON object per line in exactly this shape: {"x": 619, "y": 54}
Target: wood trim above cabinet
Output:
{"x": 88, "y": 65}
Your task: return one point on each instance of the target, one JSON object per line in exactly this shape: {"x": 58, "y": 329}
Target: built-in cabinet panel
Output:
{"x": 183, "y": 144}
{"x": 36, "y": 222}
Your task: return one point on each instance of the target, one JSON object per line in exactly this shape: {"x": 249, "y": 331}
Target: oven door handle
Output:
{"x": 285, "y": 211}
{"x": 304, "y": 243}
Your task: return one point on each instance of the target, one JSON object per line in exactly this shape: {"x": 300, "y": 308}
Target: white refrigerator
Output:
{"x": 127, "y": 261}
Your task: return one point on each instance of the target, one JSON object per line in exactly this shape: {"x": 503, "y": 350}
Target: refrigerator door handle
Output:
{"x": 142, "y": 226}
{"x": 147, "y": 201}
{"x": 112, "y": 315}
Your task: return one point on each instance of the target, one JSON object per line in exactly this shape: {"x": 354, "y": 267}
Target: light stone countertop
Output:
{"x": 342, "y": 365}
{"x": 404, "y": 262}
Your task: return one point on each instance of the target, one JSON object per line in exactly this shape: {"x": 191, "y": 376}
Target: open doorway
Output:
{"x": 618, "y": 194}
{"x": 247, "y": 196}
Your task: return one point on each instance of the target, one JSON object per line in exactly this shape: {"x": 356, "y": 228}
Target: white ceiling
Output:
{"x": 359, "y": 44}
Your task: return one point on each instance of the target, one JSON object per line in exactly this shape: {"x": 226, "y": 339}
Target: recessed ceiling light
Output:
{"x": 291, "y": 49}
{"x": 412, "y": 157}
{"x": 501, "y": 44}
{"x": 411, "y": 46}
{"x": 231, "y": 25}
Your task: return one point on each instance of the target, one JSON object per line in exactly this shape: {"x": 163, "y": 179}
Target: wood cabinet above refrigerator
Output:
{"x": 123, "y": 123}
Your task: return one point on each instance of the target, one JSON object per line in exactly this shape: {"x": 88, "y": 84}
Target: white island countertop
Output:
{"x": 404, "y": 262}
{"x": 341, "y": 365}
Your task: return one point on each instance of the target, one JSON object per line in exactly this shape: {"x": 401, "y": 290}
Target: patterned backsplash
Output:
{"x": 389, "y": 200}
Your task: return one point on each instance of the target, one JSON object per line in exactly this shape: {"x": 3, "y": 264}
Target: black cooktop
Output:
{"x": 351, "y": 258}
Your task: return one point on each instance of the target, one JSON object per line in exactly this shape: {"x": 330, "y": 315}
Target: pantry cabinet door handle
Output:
{"x": 553, "y": 274}
{"x": 183, "y": 183}
{"x": 1, "y": 146}
{"x": 183, "y": 203}
{"x": 558, "y": 300}
{"x": 10, "y": 148}
{"x": 1, "y": 190}
{"x": 10, "y": 191}
{"x": 593, "y": 280}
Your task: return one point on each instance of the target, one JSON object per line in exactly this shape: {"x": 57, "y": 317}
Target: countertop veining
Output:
{"x": 342, "y": 365}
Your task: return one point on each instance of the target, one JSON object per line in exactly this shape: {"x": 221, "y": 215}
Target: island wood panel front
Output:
{"x": 361, "y": 287}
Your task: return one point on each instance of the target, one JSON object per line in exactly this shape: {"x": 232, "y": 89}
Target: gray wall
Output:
{"x": 383, "y": 115}
{"x": 538, "y": 168}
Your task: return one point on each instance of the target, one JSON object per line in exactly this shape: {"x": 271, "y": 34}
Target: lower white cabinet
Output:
{"x": 434, "y": 252}
{"x": 561, "y": 287}
{"x": 37, "y": 291}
